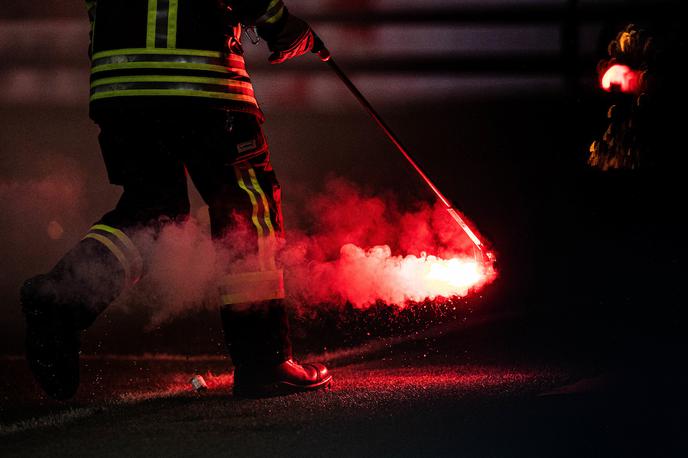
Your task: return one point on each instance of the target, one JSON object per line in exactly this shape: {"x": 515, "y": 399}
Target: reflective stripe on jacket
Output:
{"x": 183, "y": 50}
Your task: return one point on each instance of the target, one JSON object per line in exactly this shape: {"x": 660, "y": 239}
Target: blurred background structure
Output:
{"x": 498, "y": 99}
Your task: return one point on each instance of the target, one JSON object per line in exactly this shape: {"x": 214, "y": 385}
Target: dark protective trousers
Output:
{"x": 226, "y": 156}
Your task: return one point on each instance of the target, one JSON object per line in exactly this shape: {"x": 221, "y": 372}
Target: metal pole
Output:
{"x": 324, "y": 54}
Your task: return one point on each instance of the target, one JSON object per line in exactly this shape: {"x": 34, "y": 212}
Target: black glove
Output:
{"x": 289, "y": 37}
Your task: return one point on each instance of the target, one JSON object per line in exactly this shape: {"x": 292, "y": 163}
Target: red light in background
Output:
{"x": 621, "y": 76}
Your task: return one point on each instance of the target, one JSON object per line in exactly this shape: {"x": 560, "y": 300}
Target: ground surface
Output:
{"x": 455, "y": 390}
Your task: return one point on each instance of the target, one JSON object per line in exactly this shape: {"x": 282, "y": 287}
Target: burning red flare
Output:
{"x": 621, "y": 76}
{"x": 386, "y": 255}
{"x": 370, "y": 275}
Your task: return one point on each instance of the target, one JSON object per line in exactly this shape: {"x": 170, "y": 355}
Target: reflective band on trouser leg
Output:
{"x": 122, "y": 248}
{"x": 263, "y": 199}
{"x": 260, "y": 216}
{"x": 252, "y": 287}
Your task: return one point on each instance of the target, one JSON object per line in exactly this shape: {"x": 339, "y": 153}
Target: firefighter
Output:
{"x": 171, "y": 96}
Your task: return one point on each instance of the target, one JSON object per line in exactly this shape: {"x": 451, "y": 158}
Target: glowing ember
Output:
{"x": 622, "y": 77}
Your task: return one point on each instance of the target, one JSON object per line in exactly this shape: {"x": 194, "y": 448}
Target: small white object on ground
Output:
{"x": 198, "y": 383}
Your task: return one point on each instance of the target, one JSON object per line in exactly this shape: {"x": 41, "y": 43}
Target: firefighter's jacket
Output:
{"x": 174, "y": 52}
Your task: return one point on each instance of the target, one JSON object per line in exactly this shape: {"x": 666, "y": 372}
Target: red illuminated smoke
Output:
{"x": 364, "y": 249}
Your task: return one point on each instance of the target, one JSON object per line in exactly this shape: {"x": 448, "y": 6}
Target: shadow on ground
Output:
{"x": 452, "y": 390}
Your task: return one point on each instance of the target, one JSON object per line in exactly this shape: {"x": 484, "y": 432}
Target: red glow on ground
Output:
{"x": 621, "y": 76}
{"x": 177, "y": 384}
{"x": 362, "y": 378}
{"x": 436, "y": 378}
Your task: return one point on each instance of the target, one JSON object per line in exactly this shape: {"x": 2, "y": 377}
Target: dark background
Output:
{"x": 499, "y": 101}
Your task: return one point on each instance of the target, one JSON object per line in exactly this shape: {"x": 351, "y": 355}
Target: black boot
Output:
{"x": 59, "y": 305}
{"x": 258, "y": 342}
{"x": 52, "y": 339}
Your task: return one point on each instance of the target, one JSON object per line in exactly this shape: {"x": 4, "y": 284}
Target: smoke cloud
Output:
{"x": 349, "y": 247}
{"x": 364, "y": 248}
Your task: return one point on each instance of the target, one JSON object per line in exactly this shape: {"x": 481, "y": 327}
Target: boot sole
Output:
{"x": 279, "y": 389}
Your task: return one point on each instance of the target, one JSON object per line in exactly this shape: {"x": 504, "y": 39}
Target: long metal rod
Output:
{"x": 324, "y": 54}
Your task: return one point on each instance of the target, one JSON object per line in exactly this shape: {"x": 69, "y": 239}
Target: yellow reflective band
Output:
{"x": 267, "y": 253}
{"x": 238, "y": 280}
{"x": 117, "y": 233}
{"x": 276, "y": 17}
{"x": 135, "y": 255}
{"x": 256, "y": 186}
{"x": 240, "y": 298}
{"x": 253, "y": 287}
{"x": 176, "y": 93}
{"x": 152, "y": 19}
{"x": 273, "y": 13}
{"x": 273, "y": 4}
{"x": 171, "y": 79}
{"x": 117, "y": 252}
{"x": 231, "y": 61}
{"x": 254, "y": 218}
{"x": 172, "y": 24}
{"x": 174, "y": 65}
{"x": 164, "y": 51}
{"x": 254, "y": 202}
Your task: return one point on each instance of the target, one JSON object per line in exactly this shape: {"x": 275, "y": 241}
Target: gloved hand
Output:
{"x": 288, "y": 38}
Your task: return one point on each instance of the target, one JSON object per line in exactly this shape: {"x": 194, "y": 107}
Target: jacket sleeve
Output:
{"x": 257, "y": 12}
{"x": 91, "y": 9}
